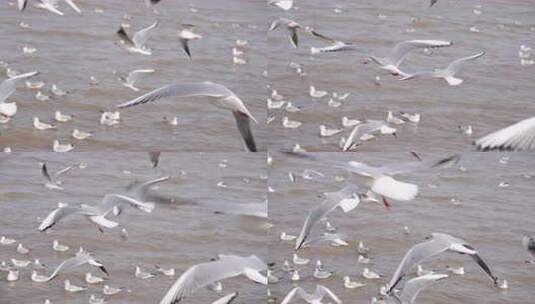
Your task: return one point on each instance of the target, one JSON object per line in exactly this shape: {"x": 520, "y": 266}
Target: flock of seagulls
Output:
{"x": 382, "y": 185}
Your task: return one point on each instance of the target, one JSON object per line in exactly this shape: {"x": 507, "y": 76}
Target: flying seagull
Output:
{"x": 396, "y": 56}
{"x": 447, "y": 74}
{"x": 81, "y": 258}
{"x": 438, "y": 243}
{"x": 8, "y": 87}
{"x": 136, "y": 44}
{"x": 529, "y": 243}
{"x": 292, "y": 27}
{"x": 347, "y": 199}
{"x": 517, "y": 137}
{"x": 370, "y": 127}
{"x": 111, "y": 203}
{"x": 204, "y": 274}
{"x": 54, "y": 183}
{"x": 50, "y": 5}
{"x": 130, "y": 80}
{"x": 185, "y": 35}
{"x": 383, "y": 183}
{"x": 224, "y": 98}
{"x": 311, "y": 298}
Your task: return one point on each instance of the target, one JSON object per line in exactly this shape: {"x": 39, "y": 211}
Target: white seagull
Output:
{"x": 130, "y": 80}
{"x": 200, "y": 275}
{"x": 136, "y": 44}
{"x": 52, "y": 6}
{"x": 396, "y": 56}
{"x": 367, "y": 129}
{"x": 8, "y": 87}
{"x": 347, "y": 199}
{"x": 447, "y": 74}
{"x": 311, "y": 298}
{"x": 224, "y": 98}
{"x": 96, "y": 213}
{"x": 438, "y": 243}
{"x": 81, "y": 258}
{"x": 53, "y": 183}
{"x": 185, "y": 35}
{"x": 517, "y": 137}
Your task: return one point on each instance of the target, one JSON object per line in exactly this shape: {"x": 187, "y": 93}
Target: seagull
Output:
{"x": 59, "y": 247}
{"x": 53, "y": 183}
{"x": 447, "y": 74}
{"x": 185, "y": 35}
{"x": 81, "y": 135}
{"x": 299, "y": 260}
{"x": 283, "y": 4}
{"x": 133, "y": 76}
{"x": 8, "y": 87}
{"x": 347, "y": 199}
{"x": 59, "y": 117}
{"x": 167, "y": 272}
{"x": 96, "y": 213}
{"x": 22, "y": 4}
{"x": 110, "y": 291}
{"x": 6, "y": 241}
{"x": 13, "y": 275}
{"x": 352, "y": 285}
{"x": 22, "y": 250}
{"x": 365, "y": 129}
{"x": 414, "y": 286}
{"x": 336, "y": 46}
{"x": 292, "y": 27}
{"x": 91, "y": 279}
{"x": 35, "y": 277}
{"x": 136, "y": 44}
{"x": 226, "y": 299}
{"x": 432, "y": 2}
{"x": 73, "y": 288}
{"x": 61, "y": 148}
{"x": 401, "y": 50}
{"x": 529, "y": 243}
{"x": 438, "y": 243}
{"x": 42, "y": 125}
{"x": 51, "y": 6}
{"x": 517, "y": 137}
{"x": 203, "y": 274}
{"x": 143, "y": 274}
{"x": 20, "y": 263}
{"x": 311, "y": 298}
{"x": 370, "y": 275}
{"x": 224, "y": 97}
{"x": 81, "y": 258}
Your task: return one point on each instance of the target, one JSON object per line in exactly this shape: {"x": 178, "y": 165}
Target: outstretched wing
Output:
{"x": 8, "y": 86}
{"x": 402, "y": 49}
{"x": 141, "y": 37}
{"x": 456, "y": 65}
{"x": 519, "y": 136}
{"x": 180, "y": 90}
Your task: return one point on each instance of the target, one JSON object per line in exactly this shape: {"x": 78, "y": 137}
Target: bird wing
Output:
{"x": 139, "y": 190}
{"x": 123, "y": 35}
{"x": 416, "y": 255}
{"x": 56, "y": 215}
{"x": 181, "y": 90}
{"x": 293, "y": 36}
{"x": 333, "y": 200}
{"x": 243, "y": 123}
{"x": 133, "y": 76}
{"x": 70, "y": 263}
{"x": 74, "y": 6}
{"x": 201, "y": 275}
{"x": 185, "y": 47}
{"x": 323, "y": 291}
{"x": 141, "y": 36}
{"x": 413, "y": 286}
{"x": 415, "y": 166}
{"x": 111, "y": 201}
{"x": 291, "y": 295}
{"x": 226, "y": 299}
{"x": 8, "y": 86}
{"x": 44, "y": 172}
{"x": 394, "y": 189}
{"x": 22, "y": 4}
{"x": 64, "y": 170}
{"x": 516, "y": 137}
{"x": 456, "y": 65}
{"x": 369, "y": 127}
{"x": 402, "y": 49}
